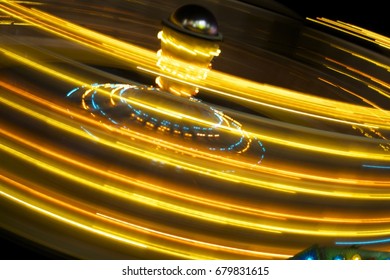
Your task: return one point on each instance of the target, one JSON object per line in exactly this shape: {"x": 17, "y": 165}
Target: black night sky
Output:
{"x": 371, "y": 15}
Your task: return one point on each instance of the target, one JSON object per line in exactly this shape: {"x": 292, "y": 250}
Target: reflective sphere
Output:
{"x": 195, "y": 19}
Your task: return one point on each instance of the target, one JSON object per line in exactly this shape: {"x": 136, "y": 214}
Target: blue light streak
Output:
{"x": 376, "y": 166}
{"x": 369, "y": 242}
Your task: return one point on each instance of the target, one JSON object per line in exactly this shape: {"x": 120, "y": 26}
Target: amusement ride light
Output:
{"x": 188, "y": 44}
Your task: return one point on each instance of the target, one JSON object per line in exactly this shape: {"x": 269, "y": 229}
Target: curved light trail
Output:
{"x": 185, "y": 179}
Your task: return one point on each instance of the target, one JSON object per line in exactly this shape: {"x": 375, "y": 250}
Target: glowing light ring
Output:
{"x": 90, "y": 102}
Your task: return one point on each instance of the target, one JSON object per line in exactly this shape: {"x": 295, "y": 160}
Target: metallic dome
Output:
{"x": 194, "y": 20}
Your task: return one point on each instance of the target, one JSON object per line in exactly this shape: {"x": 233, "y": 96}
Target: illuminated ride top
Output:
{"x": 189, "y": 42}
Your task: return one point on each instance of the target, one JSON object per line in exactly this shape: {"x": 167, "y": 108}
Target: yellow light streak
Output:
{"x": 69, "y": 221}
{"x": 254, "y": 90}
{"x": 168, "y": 190}
{"x": 189, "y": 166}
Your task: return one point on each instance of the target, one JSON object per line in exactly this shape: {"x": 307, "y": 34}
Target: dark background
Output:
{"x": 371, "y": 15}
